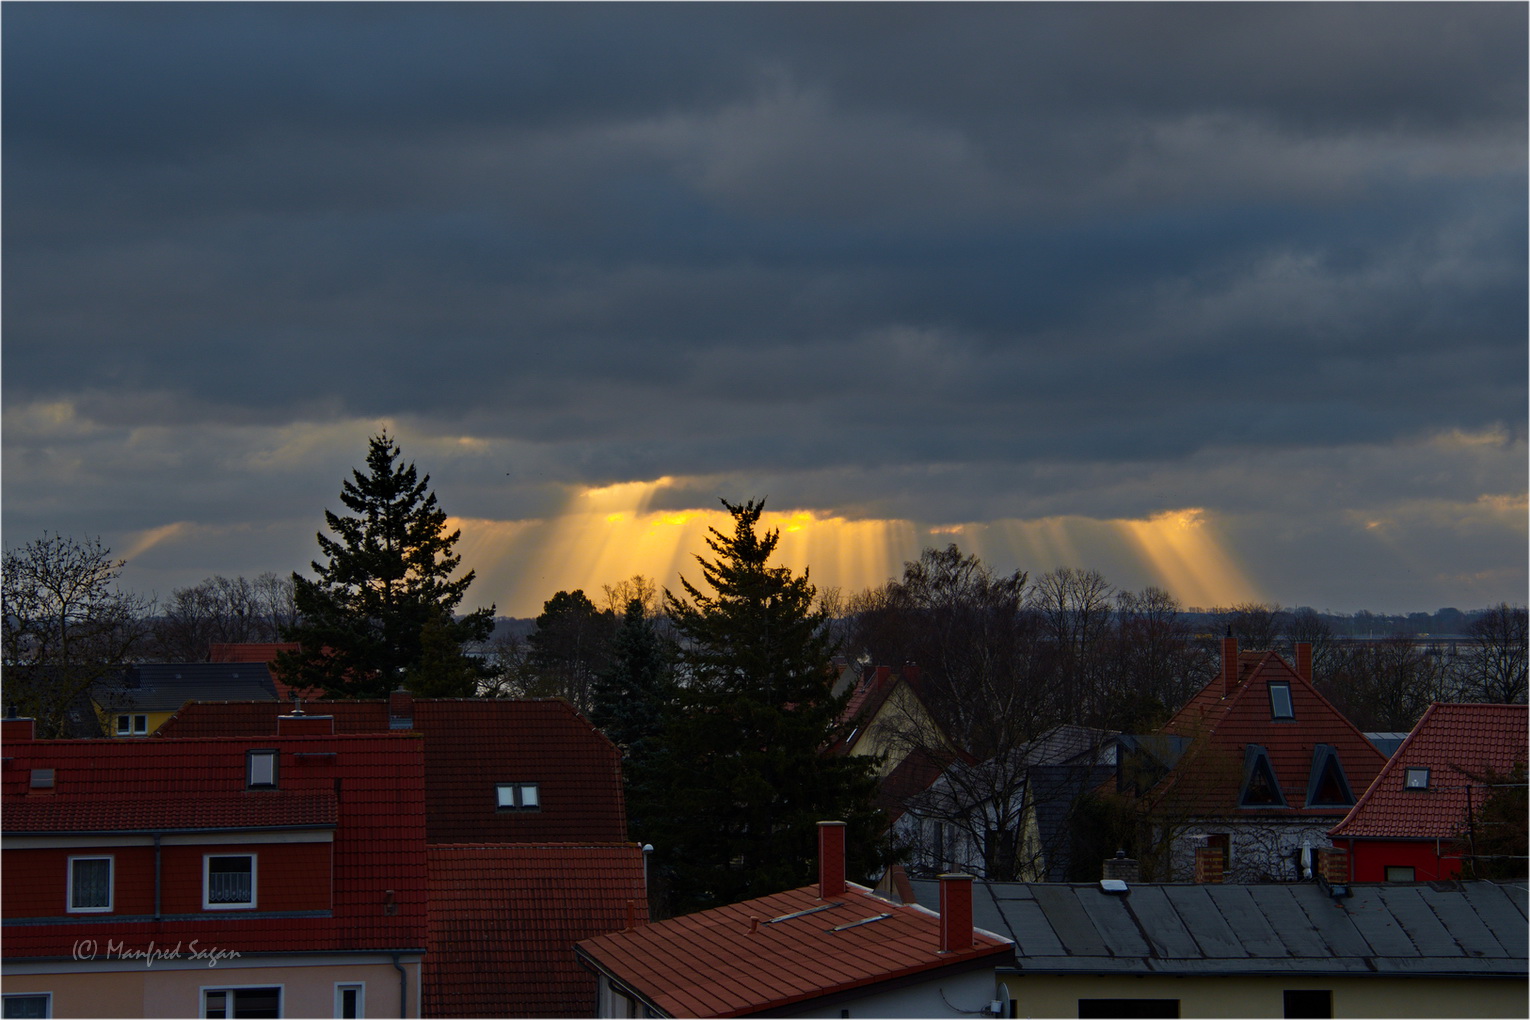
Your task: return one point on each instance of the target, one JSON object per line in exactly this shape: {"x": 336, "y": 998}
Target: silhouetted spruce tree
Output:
{"x": 746, "y": 765}
{"x": 633, "y": 698}
{"x": 381, "y": 610}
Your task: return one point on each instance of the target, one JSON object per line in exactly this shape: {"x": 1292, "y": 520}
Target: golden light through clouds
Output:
{"x": 608, "y": 534}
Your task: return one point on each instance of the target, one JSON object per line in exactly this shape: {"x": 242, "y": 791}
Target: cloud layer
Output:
{"x": 940, "y": 264}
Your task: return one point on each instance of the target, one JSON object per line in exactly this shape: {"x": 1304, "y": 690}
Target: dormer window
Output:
{"x": 132, "y": 725}
{"x": 1415, "y": 779}
{"x": 1280, "y": 701}
{"x": 260, "y": 769}
{"x": 1260, "y": 787}
{"x": 1327, "y": 786}
{"x": 518, "y": 797}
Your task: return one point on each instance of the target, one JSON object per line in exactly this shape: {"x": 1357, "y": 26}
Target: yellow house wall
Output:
{"x": 158, "y": 990}
{"x": 1037, "y": 995}
{"x": 887, "y": 730}
{"x": 109, "y": 722}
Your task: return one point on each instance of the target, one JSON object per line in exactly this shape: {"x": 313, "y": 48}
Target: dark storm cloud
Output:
{"x": 1038, "y": 250}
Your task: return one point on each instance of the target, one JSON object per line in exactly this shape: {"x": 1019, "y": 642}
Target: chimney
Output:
{"x": 883, "y": 672}
{"x": 831, "y": 859}
{"x": 955, "y": 913}
{"x": 300, "y": 725}
{"x": 1304, "y": 660}
{"x": 400, "y": 710}
{"x": 1122, "y": 867}
{"x": 13, "y": 729}
{"x": 911, "y": 672}
{"x": 1333, "y": 865}
{"x": 1229, "y": 664}
{"x": 1210, "y": 865}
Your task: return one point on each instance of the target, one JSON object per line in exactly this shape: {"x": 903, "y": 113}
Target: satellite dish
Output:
{"x": 1000, "y": 1006}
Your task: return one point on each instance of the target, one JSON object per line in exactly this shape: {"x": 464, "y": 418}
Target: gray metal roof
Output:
{"x": 1470, "y": 928}
{"x": 165, "y": 687}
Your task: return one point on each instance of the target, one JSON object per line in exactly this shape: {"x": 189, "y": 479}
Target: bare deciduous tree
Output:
{"x": 67, "y": 628}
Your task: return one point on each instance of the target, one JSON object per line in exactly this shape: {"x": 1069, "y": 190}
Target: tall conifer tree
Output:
{"x": 381, "y": 610}
{"x": 746, "y": 762}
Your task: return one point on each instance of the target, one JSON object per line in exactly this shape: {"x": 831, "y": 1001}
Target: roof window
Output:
{"x": 260, "y": 769}
{"x": 1280, "y": 701}
{"x": 42, "y": 779}
{"x": 517, "y": 797}
{"x": 1416, "y": 779}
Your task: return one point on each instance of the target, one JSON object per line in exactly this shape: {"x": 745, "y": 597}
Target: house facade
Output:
{"x": 1249, "y": 776}
{"x": 1129, "y": 949}
{"x": 1415, "y": 821}
{"x": 149, "y": 693}
{"x": 527, "y": 851}
{"x": 281, "y": 875}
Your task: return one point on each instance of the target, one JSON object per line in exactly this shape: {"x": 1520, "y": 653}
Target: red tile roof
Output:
{"x": 1453, "y": 742}
{"x": 1229, "y": 723}
{"x": 720, "y": 962}
{"x": 470, "y": 746}
{"x": 504, "y": 920}
{"x": 368, "y": 789}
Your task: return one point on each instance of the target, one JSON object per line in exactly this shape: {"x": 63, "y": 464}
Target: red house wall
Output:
{"x": 288, "y": 876}
{"x": 37, "y": 881}
{"x": 1369, "y": 859}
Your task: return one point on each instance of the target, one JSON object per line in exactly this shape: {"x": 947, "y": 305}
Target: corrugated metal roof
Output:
{"x": 1473, "y": 928}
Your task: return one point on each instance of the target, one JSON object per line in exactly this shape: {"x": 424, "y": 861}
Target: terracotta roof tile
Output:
{"x": 717, "y": 963}
{"x": 470, "y": 746}
{"x": 504, "y": 920}
{"x": 1453, "y": 742}
{"x": 1228, "y": 725}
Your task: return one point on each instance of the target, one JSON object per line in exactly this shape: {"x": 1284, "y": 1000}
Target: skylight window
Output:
{"x": 1260, "y": 787}
{"x": 1416, "y": 779}
{"x": 518, "y": 797}
{"x": 261, "y": 769}
{"x": 1280, "y": 701}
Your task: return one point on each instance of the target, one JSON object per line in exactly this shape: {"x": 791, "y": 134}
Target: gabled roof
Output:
{"x": 504, "y": 920}
{"x": 471, "y": 745}
{"x": 265, "y": 651}
{"x": 870, "y": 696}
{"x": 1452, "y": 742}
{"x": 1053, "y": 791}
{"x": 166, "y": 686}
{"x": 376, "y": 825}
{"x": 773, "y": 951}
{"x": 1472, "y": 928}
{"x": 913, "y": 776}
{"x": 1225, "y": 724}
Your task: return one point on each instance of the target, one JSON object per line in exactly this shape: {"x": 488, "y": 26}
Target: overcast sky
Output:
{"x": 1225, "y": 298}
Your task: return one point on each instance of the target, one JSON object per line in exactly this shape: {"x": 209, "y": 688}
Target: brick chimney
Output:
{"x": 831, "y": 859}
{"x": 955, "y": 913}
{"x": 1333, "y": 865}
{"x": 911, "y": 672}
{"x": 1210, "y": 865}
{"x": 300, "y": 725}
{"x": 1229, "y": 664}
{"x": 883, "y": 672}
{"x": 400, "y": 710}
{"x": 1122, "y": 867}
{"x": 1304, "y": 660}
{"x": 13, "y": 729}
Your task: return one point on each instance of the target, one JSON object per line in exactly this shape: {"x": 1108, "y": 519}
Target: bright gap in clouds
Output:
{"x": 606, "y": 535}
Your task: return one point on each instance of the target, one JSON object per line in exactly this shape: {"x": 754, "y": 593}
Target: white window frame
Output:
{"x": 1409, "y": 773}
{"x": 1289, "y": 706}
{"x": 47, "y": 998}
{"x": 206, "y": 990}
{"x": 207, "y": 904}
{"x": 111, "y": 884}
{"x": 132, "y": 724}
{"x": 512, "y": 797}
{"x": 266, "y": 756}
{"x": 360, "y": 988}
